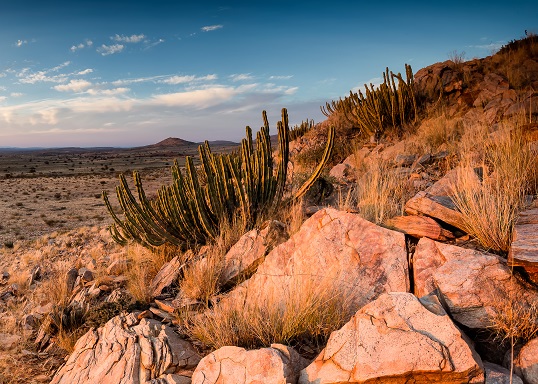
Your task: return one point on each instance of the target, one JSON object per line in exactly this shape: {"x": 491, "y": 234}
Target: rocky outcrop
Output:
{"x": 128, "y": 350}
{"x": 473, "y": 285}
{"x": 495, "y": 374}
{"x": 275, "y": 365}
{"x": 526, "y": 362}
{"x": 249, "y": 252}
{"x": 396, "y": 339}
{"x": 362, "y": 258}
{"x": 167, "y": 276}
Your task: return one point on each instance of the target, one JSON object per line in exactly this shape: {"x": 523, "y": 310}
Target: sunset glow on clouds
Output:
{"x": 72, "y": 75}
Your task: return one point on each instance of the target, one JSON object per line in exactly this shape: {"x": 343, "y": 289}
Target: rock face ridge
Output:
{"x": 128, "y": 350}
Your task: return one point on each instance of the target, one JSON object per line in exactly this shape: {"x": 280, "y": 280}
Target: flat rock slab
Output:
{"x": 419, "y": 226}
{"x": 395, "y": 339}
{"x": 524, "y": 249}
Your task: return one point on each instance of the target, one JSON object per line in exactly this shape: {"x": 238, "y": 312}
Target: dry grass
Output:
{"x": 514, "y": 321}
{"x": 490, "y": 207}
{"x": 308, "y": 309}
{"x": 381, "y": 192}
{"x": 143, "y": 266}
{"x": 437, "y": 131}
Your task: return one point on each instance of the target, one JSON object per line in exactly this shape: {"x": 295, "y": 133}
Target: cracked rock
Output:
{"x": 396, "y": 339}
{"x": 276, "y": 365}
{"x": 128, "y": 351}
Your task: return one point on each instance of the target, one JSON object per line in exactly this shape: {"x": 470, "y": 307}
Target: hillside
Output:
{"x": 412, "y": 258}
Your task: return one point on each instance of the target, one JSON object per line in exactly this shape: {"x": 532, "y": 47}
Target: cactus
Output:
{"x": 389, "y": 105}
{"x": 244, "y": 184}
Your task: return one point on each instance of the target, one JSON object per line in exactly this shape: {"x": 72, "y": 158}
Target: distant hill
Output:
{"x": 172, "y": 142}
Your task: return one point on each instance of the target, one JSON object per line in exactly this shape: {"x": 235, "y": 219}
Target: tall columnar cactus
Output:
{"x": 244, "y": 184}
{"x": 391, "y": 104}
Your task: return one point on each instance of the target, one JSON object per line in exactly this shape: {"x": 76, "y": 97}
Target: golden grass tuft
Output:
{"x": 309, "y": 309}
{"x": 381, "y": 192}
{"x": 514, "y": 321}
{"x": 490, "y": 207}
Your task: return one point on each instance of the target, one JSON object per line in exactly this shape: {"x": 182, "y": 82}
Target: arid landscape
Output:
{"x": 396, "y": 241}
{"x": 46, "y": 190}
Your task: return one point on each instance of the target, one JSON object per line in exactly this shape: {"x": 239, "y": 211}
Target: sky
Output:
{"x": 127, "y": 73}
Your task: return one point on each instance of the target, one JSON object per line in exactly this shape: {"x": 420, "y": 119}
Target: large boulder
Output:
{"x": 398, "y": 340}
{"x": 495, "y": 374}
{"x": 474, "y": 285}
{"x": 278, "y": 364}
{"x": 353, "y": 253}
{"x": 130, "y": 351}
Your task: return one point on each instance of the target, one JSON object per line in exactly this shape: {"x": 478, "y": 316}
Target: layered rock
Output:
{"x": 128, "y": 350}
{"x": 278, "y": 364}
{"x": 396, "y": 339}
{"x": 526, "y": 362}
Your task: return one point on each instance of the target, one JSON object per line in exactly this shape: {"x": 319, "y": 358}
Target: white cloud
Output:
{"x": 16, "y": 94}
{"x": 74, "y": 48}
{"x": 128, "y": 39}
{"x": 2, "y": 98}
{"x": 209, "y": 28}
{"x": 87, "y": 43}
{"x": 73, "y": 86}
{"x": 280, "y": 77}
{"x": 137, "y": 80}
{"x": 106, "y": 50}
{"x": 187, "y": 79}
{"x": 61, "y": 66}
{"x": 153, "y": 44}
{"x": 241, "y": 77}
{"x": 107, "y": 92}
{"x": 85, "y": 72}
{"x": 20, "y": 43}
{"x": 491, "y": 47}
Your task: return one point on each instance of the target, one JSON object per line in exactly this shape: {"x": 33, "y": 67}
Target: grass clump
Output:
{"x": 490, "y": 206}
{"x": 305, "y": 310}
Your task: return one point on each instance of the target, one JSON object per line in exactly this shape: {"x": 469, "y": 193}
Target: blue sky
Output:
{"x": 127, "y": 73}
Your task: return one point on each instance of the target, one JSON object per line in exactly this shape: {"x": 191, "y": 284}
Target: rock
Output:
{"x": 495, "y": 374}
{"x": 342, "y": 172}
{"x": 277, "y": 364}
{"x": 171, "y": 379}
{"x": 441, "y": 208}
{"x": 85, "y": 274}
{"x": 167, "y": 277}
{"x": 8, "y": 341}
{"x": 419, "y": 226}
{"x": 246, "y": 255}
{"x": 526, "y": 362}
{"x": 524, "y": 248}
{"x": 474, "y": 285}
{"x": 402, "y": 160}
{"x": 71, "y": 278}
{"x": 127, "y": 350}
{"x": 354, "y": 253}
{"x": 396, "y": 339}
{"x": 4, "y": 277}
{"x": 117, "y": 267}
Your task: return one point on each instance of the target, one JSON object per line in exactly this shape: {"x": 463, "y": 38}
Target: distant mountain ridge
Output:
{"x": 172, "y": 142}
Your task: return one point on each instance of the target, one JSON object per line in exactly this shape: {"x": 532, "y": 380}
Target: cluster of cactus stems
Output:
{"x": 300, "y": 130}
{"x": 391, "y": 104}
{"x": 244, "y": 185}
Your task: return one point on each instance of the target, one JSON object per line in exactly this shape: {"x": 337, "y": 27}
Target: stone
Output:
{"x": 334, "y": 250}
{"x": 277, "y": 364}
{"x": 523, "y": 250}
{"x": 167, "y": 277}
{"x": 85, "y": 274}
{"x": 342, "y": 172}
{"x": 419, "y": 226}
{"x": 71, "y": 278}
{"x": 4, "y": 277}
{"x": 250, "y": 250}
{"x": 8, "y": 341}
{"x": 495, "y": 374}
{"x": 526, "y": 362}
{"x": 473, "y": 285}
{"x": 127, "y": 350}
{"x": 396, "y": 339}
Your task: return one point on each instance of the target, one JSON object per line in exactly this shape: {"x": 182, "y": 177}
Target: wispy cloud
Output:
{"x": 128, "y": 39}
{"x": 494, "y": 46}
{"x": 86, "y": 44}
{"x": 107, "y": 92}
{"x": 20, "y": 43}
{"x": 137, "y": 80}
{"x": 85, "y": 72}
{"x": 77, "y": 85}
{"x": 106, "y": 50}
{"x": 209, "y": 28}
{"x": 280, "y": 77}
{"x": 27, "y": 77}
{"x": 241, "y": 77}
{"x": 16, "y": 94}
{"x": 151, "y": 44}
{"x": 3, "y": 98}
{"x": 174, "y": 80}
